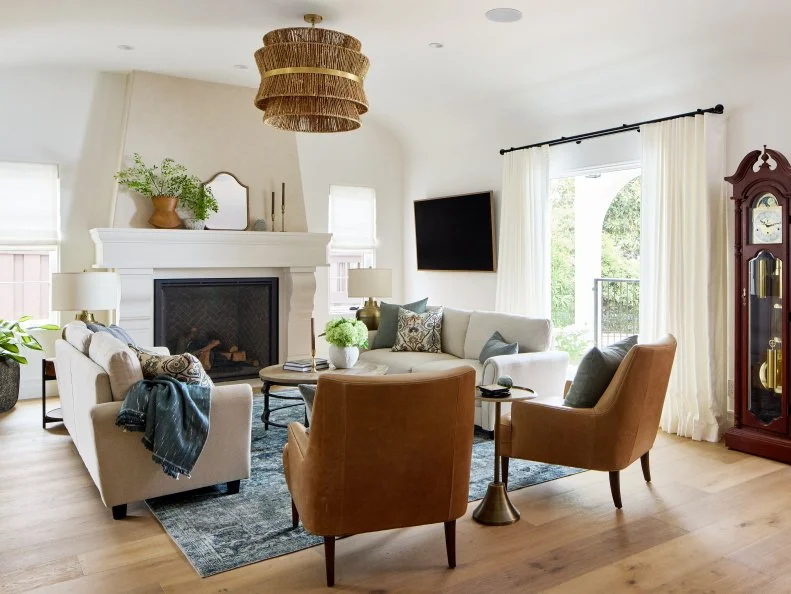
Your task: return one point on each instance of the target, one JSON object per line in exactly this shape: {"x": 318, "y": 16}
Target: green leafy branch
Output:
{"x": 166, "y": 179}
{"x": 198, "y": 198}
{"x": 13, "y": 337}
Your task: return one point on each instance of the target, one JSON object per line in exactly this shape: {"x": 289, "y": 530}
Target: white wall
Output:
{"x": 461, "y": 156}
{"x": 71, "y": 117}
{"x": 209, "y": 127}
{"x": 371, "y": 157}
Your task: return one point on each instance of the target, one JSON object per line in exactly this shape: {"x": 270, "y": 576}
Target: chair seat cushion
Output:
{"x": 595, "y": 372}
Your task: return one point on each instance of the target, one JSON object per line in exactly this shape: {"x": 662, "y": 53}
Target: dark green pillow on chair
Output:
{"x": 388, "y": 322}
{"x": 595, "y": 372}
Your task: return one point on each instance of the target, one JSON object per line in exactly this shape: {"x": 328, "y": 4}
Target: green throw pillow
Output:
{"x": 595, "y": 372}
{"x": 388, "y": 322}
{"x": 497, "y": 345}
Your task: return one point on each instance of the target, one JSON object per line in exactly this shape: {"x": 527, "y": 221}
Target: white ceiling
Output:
{"x": 564, "y": 59}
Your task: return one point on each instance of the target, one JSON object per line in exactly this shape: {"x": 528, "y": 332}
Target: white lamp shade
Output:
{"x": 90, "y": 291}
{"x": 370, "y": 282}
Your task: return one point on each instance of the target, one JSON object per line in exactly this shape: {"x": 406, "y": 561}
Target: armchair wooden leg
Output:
{"x": 450, "y": 542}
{"x": 294, "y": 515}
{"x": 119, "y": 511}
{"x": 233, "y": 487}
{"x": 329, "y": 559}
{"x": 504, "y": 470}
{"x": 615, "y": 487}
{"x": 646, "y": 467}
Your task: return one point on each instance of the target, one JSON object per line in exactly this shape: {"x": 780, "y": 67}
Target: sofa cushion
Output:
{"x": 532, "y": 334}
{"x": 402, "y": 362}
{"x": 595, "y": 372}
{"x": 454, "y": 330}
{"x": 388, "y": 322}
{"x": 78, "y": 335}
{"x": 117, "y": 360}
{"x": 496, "y": 345}
{"x": 184, "y": 367}
{"x": 420, "y": 333}
{"x": 116, "y": 331}
{"x": 446, "y": 364}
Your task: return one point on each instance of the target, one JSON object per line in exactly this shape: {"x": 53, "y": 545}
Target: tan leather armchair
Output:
{"x": 383, "y": 452}
{"x": 611, "y": 435}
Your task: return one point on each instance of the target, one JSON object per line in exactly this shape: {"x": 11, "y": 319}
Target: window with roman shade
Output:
{"x": 29, "y": 237}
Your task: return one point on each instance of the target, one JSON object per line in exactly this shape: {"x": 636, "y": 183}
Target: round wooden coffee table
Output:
{"x": 275, "y": 375}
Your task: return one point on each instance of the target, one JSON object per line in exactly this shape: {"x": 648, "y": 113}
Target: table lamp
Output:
{"x": 370, "y": 283}
{"x": 84, "y": 291}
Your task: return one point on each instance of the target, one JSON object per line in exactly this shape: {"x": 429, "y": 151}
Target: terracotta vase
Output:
{"x": 165, "y": 216}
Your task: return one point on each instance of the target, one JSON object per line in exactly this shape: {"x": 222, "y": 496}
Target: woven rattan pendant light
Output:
{"x": 311, "y": 79}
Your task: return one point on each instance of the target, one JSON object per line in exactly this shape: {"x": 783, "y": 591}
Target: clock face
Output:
{"x": 767, "y": 224}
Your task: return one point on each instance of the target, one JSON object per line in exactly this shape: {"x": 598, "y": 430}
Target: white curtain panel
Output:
{"x": 523, "y": 260}
{"x": 684, "y": 264}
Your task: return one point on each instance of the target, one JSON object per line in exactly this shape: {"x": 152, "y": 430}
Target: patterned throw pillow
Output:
{"x": 419, "y": 332}
{"x": 185, "y": 367}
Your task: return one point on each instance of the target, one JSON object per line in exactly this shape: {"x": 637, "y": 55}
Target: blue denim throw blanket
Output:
{"x": 174, "y": 419}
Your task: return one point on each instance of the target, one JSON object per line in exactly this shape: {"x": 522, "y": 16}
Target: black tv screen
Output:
{"x": 455, "y": 233}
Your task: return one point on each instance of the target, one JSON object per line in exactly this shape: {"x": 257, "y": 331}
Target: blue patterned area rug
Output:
{"x": 218, "y": 533}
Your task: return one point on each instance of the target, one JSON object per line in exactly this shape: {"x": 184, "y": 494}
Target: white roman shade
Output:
{"x": 29, "y": 210}
{"x": 352, "y": 217}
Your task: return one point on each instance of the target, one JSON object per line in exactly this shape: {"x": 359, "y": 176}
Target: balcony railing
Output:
{"x": 616, "y": 309}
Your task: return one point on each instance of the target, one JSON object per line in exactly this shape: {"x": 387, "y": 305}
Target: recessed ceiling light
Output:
{"x": 503, "y": 15}
{"x": 435, "y": 45}
{"x": 241, "y": 66}
{"x": 126, "y": 48}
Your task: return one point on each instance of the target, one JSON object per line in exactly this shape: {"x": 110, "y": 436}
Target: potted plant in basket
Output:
{"x": 164, "y": 184}
{"x": 345, "y": 337}
{"x": 13, "y": 338}
{"x": 197, "y": 200}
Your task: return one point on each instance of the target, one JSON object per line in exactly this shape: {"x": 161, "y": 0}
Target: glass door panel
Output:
{"x": 765, "y": 335}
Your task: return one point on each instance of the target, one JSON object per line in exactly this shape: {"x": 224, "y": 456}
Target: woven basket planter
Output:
{"x": 9, "y": 384}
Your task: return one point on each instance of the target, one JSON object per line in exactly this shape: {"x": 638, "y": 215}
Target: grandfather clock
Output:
{"x": 762, "y": 193}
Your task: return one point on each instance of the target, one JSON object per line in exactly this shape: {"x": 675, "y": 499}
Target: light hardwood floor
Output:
{"x": 712, "y": 521}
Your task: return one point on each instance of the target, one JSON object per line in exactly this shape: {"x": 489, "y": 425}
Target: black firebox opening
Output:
{"x": 230, "y": 324}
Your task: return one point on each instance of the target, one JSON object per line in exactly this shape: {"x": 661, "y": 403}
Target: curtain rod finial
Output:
{"x": 719, "y": 108}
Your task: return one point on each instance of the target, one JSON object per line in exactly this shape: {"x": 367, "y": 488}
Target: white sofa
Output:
{"x": 92, "y": 381}
{"x": 464, "y": 333}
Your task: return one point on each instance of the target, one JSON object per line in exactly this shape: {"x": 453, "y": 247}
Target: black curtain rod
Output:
{"x": 578, "y": 138}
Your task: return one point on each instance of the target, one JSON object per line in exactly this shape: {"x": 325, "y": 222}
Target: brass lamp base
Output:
{"x": 496, "y": 509}
{"x": 369, "y": 314}
{"x": 85, "y": 316}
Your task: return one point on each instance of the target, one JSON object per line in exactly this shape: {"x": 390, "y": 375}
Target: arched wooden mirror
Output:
{"x": 232, "y": 199}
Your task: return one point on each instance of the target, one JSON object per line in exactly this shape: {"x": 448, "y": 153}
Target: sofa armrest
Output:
{"x": 544, "y": 372}
{"x": 123, "y": 470}
{"x": 157, "y": 350}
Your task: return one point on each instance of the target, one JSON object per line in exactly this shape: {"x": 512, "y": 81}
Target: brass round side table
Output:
{"x": 496, "y": 508}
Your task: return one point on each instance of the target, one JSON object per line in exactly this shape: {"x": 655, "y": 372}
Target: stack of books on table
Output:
{"x": 306, "y": 365}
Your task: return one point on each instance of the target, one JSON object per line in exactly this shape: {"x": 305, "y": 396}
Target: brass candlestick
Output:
{"x": 283, "y": 220}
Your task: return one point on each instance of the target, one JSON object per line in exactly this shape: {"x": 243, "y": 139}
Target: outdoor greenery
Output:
{"x": 620, "y": 258}
{"x": 344, "y": 332}
{"x": 13, "y": 338}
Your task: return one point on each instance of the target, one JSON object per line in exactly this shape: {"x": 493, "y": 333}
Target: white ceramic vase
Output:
{"x": 344, "y": 357}
{"x": 194, "y": 224}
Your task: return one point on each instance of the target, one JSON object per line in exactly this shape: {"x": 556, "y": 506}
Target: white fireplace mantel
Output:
{"x": 142, "y": 255}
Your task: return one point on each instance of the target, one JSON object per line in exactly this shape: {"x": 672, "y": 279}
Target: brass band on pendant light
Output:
{"x": 311, "y": 79}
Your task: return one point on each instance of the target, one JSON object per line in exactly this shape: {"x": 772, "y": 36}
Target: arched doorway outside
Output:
{"x": 581, "y": 206}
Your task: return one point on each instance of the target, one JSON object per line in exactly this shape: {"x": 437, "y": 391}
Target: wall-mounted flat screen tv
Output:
{"x": 456, "y": 233}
